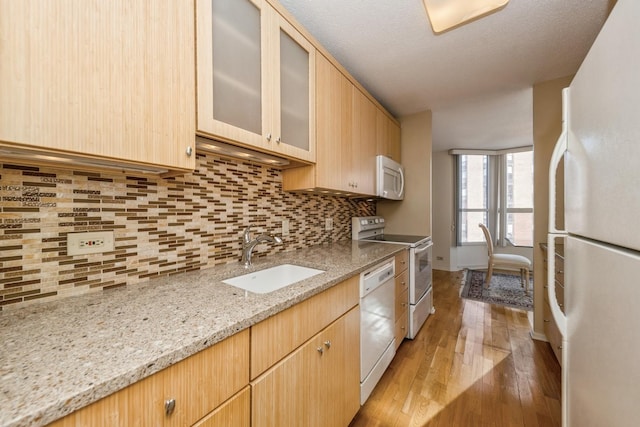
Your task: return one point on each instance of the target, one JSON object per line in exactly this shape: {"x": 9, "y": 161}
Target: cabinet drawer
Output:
{"x": 279, "y": 335}
{"x": 553, "y": 333}
{"x": 198, "y": 384}
{"x": 236, "y": 412}
{"x": 402, "y": 281}
{"x": 402, "y": 302}
{"x": 402, "y": 261}
{"x": 401, "y": 328}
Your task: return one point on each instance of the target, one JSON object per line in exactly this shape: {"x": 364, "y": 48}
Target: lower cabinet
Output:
{"x": 402, "y": 297}
{"x": 179, "y": 395}
{"x": 236, "y": 412}
{"x": 316, "y": 385}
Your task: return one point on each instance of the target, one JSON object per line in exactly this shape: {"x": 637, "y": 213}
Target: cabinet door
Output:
{"x": 363, "y": 144}
{"x": 103, "y": 79}
{"x": 387, "y": 136}
{"x": 232, "y": 65}
{"x": 294, "y": 92}
{"x": 333, "y": 160}
{"x": 317, "y": 385}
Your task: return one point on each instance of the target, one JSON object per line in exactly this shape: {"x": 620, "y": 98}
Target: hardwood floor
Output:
{"x": 472, "y": 364}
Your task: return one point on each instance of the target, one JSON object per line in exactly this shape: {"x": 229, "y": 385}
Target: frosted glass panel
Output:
{"x": 236, "y": 64}
{"x": 294, "y": 92}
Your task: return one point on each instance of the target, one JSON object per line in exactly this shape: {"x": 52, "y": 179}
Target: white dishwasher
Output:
{"x": 377, "y": 349}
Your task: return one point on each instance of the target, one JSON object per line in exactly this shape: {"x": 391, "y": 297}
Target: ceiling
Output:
{"x": 476, "y": 79}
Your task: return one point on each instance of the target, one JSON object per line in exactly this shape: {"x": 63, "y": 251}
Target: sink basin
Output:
{"x": 272, "y": 279}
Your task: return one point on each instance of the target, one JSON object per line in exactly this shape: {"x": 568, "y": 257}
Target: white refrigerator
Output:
{"x": 600, "y": 146}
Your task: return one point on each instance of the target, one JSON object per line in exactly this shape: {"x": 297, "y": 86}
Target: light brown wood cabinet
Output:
{"x": 256, "y": 79}
{"x": 550, "y": 328}
{"x": 99, "y": 81}
{"x": 402, "y": 296}
{"x": 387, "y": 136}
{"x": 346, "y": 141}
{"x": 197, "y": 385}
{"x": 305, "y": 361}
{"x": 316, "y": 385}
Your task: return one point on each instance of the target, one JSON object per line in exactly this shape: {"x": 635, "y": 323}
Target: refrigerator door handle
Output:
{"x": 558, "y": 151}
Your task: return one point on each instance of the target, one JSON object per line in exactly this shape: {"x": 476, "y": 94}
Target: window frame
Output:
{"x": 496, "y": 211}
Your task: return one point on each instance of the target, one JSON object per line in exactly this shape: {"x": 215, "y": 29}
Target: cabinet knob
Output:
{"x": 559, "y": 347}
{"x": 546, "y": 320}
{"x": 189, "y": 151}
{"x": 278, "y": 140}
{"x": 327, "y": 343}
{"x": 320, "y": 350}
{"x": 402, "y": 328}
{"x": 169, "y": 406}
{"x": 268, "y": 137}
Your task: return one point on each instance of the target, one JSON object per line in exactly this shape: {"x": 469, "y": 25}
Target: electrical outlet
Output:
{"x": 285, "y": 227}
{"x": 328, "y": 224}
{"x": 90, "y": 242}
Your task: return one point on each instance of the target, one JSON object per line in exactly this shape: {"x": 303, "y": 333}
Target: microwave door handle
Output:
{"x": 401, "y": 182}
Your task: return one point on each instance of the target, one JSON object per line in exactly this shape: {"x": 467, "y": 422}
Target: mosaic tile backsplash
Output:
{"x": 161, "y": 226}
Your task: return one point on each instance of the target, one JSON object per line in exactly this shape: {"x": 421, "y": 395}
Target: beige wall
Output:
{"x": 413, "y": 214}
{"x": 547, "y": 126}
{"x": 444, "y": 253}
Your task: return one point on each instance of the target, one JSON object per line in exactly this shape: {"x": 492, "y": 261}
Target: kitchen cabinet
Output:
{"x": 402, "y": 296}
{"x": 255, "y": 79}
{"x": 317, "y": 385}
{"x": 550, "y": 328}
{"x": 98, "y": 82}
{"x": 387, "y": 136}
{"x": 195, "y": 385}
{"x": 345, "y": 128}
{"x": 305, "y": 356}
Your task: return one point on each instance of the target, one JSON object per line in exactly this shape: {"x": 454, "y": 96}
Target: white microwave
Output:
{"x": 389, "y": 179}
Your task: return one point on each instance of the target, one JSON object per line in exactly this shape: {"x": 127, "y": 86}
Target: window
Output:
{"x": 495, "y": 188}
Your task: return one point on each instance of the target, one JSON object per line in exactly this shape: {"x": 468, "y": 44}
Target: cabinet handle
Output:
{"x": 169, "y": 406}
{"x": 402, "y": 328}
{"x": 327, "y": 343}
{"x": 189, "y": 151}
{"x": 559, "y": 347}
{"x": 546, "y": 320}
{"x": 268, "y": 137}
{"x": 320, "y": 350}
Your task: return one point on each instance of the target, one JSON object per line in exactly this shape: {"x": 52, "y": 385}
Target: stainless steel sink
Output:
{"x": 272, "y": 279}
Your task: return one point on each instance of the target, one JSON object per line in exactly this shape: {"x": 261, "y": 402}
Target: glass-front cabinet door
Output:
{"x": 255, "y": 82}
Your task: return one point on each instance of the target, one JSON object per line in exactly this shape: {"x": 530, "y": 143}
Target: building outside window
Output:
{"x": 496, "y": 189}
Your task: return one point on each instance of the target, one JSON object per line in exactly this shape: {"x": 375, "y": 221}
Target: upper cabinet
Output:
{"x": 256, "y": 79}
{"x": 387, "y": 136}
{"x": 105, "y": 82}
{"x": 346, "y": 135}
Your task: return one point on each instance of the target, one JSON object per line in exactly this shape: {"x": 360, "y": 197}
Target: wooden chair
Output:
{"x": 505, "y": 261}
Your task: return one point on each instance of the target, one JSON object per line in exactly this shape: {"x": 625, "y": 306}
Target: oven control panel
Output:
{"x": 366, "y": 226}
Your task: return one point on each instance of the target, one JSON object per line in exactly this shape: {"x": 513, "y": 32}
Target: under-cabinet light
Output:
{"x": 224, "y": 149}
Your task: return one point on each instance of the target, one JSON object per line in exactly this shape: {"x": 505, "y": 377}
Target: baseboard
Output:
{"x": 538, "y": 336}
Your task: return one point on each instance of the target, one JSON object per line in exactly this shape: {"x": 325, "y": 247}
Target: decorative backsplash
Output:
{"x": 161, "y": 226}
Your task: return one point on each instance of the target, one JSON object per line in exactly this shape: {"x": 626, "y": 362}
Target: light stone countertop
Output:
{"x": 60, "y": 356}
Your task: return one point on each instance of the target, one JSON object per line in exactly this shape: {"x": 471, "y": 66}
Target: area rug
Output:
{"x": 505, "y": 290}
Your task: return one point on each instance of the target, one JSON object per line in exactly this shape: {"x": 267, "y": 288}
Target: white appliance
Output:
{"x": 377, "y": 343}
{"x": 601, "y": 147}
{"x": 389, "y": 178}
{"x": 371, "y": 228}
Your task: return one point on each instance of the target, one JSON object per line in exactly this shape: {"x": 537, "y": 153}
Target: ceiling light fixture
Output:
{"x": 448, "y": 14}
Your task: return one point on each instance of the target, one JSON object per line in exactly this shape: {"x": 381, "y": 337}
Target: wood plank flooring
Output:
{"x": 472, "y": 364}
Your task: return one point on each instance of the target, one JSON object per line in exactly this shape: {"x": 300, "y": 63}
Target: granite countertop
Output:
{"x": 60, "y": 356}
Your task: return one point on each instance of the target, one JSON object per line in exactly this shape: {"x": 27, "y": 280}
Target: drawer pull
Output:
{"x": 560, "y": 272}
{"x": 547, "y": 320}
{"x": 320, "y": 350}
{"x": 169, "y": 406}
{"x": 559, "y": 347}
{"x": 268, "y": 137}
{"x": 327, "y": 343}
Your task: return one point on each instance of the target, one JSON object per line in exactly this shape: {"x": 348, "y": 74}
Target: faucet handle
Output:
{"x": 246, "y": 236}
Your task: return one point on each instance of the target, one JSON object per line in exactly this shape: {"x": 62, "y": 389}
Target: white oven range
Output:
{"x": 371, "y": 228}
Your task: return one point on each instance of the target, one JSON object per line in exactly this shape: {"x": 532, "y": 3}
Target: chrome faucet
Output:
{"x": 248, "y": 244}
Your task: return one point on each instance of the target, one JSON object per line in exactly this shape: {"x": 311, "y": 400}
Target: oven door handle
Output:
{"x": 420, "y": 250}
